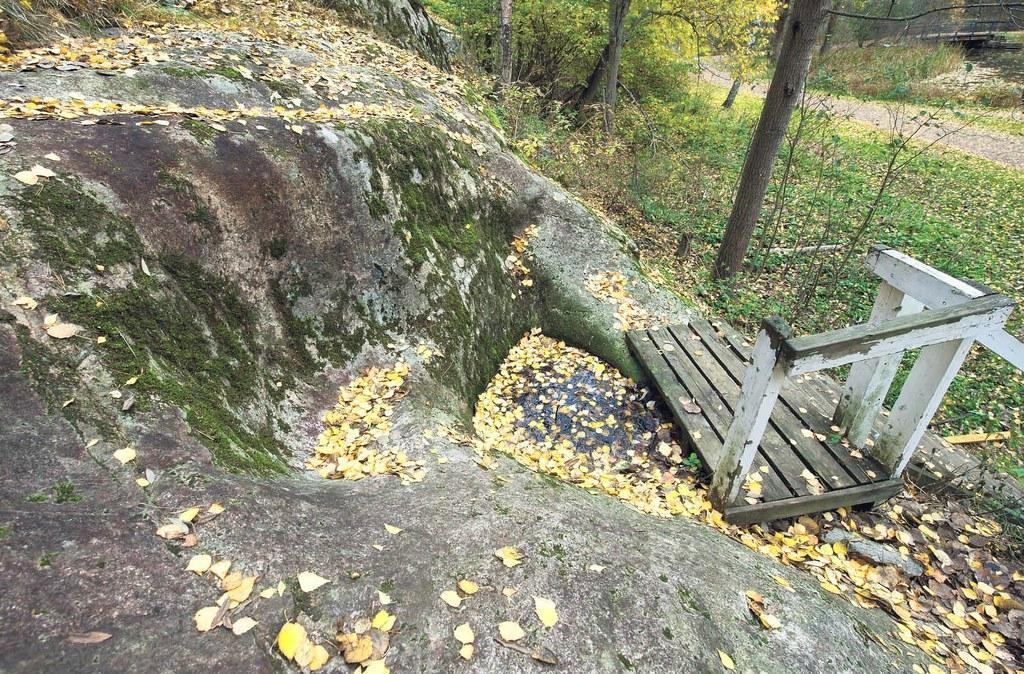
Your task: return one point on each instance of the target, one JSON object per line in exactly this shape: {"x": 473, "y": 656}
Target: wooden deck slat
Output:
{"x": 672, "y": 389}
{"x": 719, "y": 415}
{"x": 804, "y": 393}
{"x": 776, "y": 484}
{"x": 783, "y": 442}
{"x": 762, "y": 512}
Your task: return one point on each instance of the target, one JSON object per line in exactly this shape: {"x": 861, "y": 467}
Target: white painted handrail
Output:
{"x": 917, "y": 308}
{"x": 935, "y": 290}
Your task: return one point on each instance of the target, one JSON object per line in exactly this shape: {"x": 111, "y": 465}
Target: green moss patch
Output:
{"x": 73, "y": 231}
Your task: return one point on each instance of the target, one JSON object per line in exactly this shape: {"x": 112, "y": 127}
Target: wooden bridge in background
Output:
{"x": 782, "y": 439}
{"x": 970, "y": 34}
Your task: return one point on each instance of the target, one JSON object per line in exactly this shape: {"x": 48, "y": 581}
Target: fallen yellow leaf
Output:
{"x": 242, "y": 591}
{"x": 355, "y": 648}
{"x": 468, "y": 587}
{"x": 376, "y": 667}
{"x": 383, "y": 621}
{"x": 309, "y": 581}
{"x": 510, "y": 631}
{"x": 464, "y": 634}
{"x": 393, "y": 530}
{"x": 290, "y": 638}
{"x": 466, "y": 652}
{"x": 221, "y": 568}
{"x": 125, "y": 455}
{"x": 319, "y": 659}
{"x": 452, "y": 598}
{"x": 509, "y": 556}
{"x": 188, "y": 515}
{"x": 242, "y": 625}
{"x": 199, "y": 564}
{"x": 726, "y": 660}
{"x": 205, "y": 617}
{"x": 545, "y": 611}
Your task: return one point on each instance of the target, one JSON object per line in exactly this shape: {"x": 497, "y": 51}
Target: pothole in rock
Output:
{"x": 562, "y": 411}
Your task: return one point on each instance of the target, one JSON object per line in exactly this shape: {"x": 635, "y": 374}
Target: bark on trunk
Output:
{"x": 826, "y": 39}
{"x": 806, "y": 18}
{"x": 593, "y": 87}
{"x": 731, "y": 96}
{"x": 617, "y": 10}
{"x": 504, "y": 44}
{"x": 780, "y": 32}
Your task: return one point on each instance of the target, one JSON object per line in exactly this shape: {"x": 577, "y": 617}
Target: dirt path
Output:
{"x": 1001, "y": 148}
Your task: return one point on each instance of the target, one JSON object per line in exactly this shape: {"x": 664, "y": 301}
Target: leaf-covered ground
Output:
{"x": 670, "y": 180}
{"x": 564, "y": 413}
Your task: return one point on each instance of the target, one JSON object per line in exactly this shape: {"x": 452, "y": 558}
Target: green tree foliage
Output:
{"x": 557, "y": 44}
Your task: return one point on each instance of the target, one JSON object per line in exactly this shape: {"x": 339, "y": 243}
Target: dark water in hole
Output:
{"x": 563, "y": 407}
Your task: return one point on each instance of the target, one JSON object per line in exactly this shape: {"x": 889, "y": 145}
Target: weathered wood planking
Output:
{"x": 699, "y": 363}
{"x": 818, "y": 395}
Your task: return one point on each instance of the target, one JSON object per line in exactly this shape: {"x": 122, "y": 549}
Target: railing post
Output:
{"x": 761, "y": 386}
{"x": 869, "y": 380}
{"x": 934, "y": 370}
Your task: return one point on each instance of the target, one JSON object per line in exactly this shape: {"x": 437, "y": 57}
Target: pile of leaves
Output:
{"x": 610, "y": 287}
{"x": 250, "y": 41}
{"x": 562, "y": 412}
{"x": 349, "y": 446}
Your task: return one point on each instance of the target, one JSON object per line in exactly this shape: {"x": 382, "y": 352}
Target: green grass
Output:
{"x": 907, "y": 73}
{"x": 960, "y": 214}
{"x": 884, "y": 72}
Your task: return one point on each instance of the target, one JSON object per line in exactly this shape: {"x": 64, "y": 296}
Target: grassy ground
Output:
{"x": 923, "y": 73}
{"x": 935, "y": 77}
{"x": 671, "y": 176}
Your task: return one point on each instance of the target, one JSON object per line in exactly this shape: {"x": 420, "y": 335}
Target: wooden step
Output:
{"x": 698, "y": 370}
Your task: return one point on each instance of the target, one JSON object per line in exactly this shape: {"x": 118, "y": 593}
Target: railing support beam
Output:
{"x": 869, "y": 380}
{"x": 762, "y": 384}
{"x": 933, "y": 372}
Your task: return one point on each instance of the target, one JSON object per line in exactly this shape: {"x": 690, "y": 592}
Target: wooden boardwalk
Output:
{"x": 761, "y": 418}
{"x": 803, "y": 463}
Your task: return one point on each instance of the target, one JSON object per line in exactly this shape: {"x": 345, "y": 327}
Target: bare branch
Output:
{"x": 911, "y": 17}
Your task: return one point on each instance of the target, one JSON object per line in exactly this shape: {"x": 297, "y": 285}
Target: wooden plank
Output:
{"x": 809, "y": 452}
{"x": 929, "y": 378}
{"x": 708, "y": 444}
{"x": 936, "y": 290}
{"x": 814, "y": 392}
{"x": 869, "y": 380}
{"x": 774, "y": 447}
{"x": 934, "y": 326}
{"x": 972, "y": 438}
{"x": 811, "y": 412}
{"x": 803, "y": 505}
{"x": 761, "y": 386}
{"x": 714, "y": 407}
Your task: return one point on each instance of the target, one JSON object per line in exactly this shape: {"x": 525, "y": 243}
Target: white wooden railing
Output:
{"x": 917, "y": 307}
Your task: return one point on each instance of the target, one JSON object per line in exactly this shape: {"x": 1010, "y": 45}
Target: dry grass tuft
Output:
{"x": 28, "y": 23}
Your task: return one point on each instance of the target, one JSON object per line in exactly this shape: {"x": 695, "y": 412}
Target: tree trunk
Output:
{"x": 504, "y": 44}
{"x": 617, "y": 10}
{"x": 780, "y": 32}
{"x": 593, "y": 87}
{"x": 806, "y": 18}
{"x": 733, "y": 90}
{"x": 826, "y": 40}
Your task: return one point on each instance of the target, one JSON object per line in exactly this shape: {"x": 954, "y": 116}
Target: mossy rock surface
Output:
{"x": 227, "y": 282}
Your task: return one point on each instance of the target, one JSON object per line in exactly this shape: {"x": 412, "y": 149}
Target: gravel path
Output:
{"x": 1002, "y": 148}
